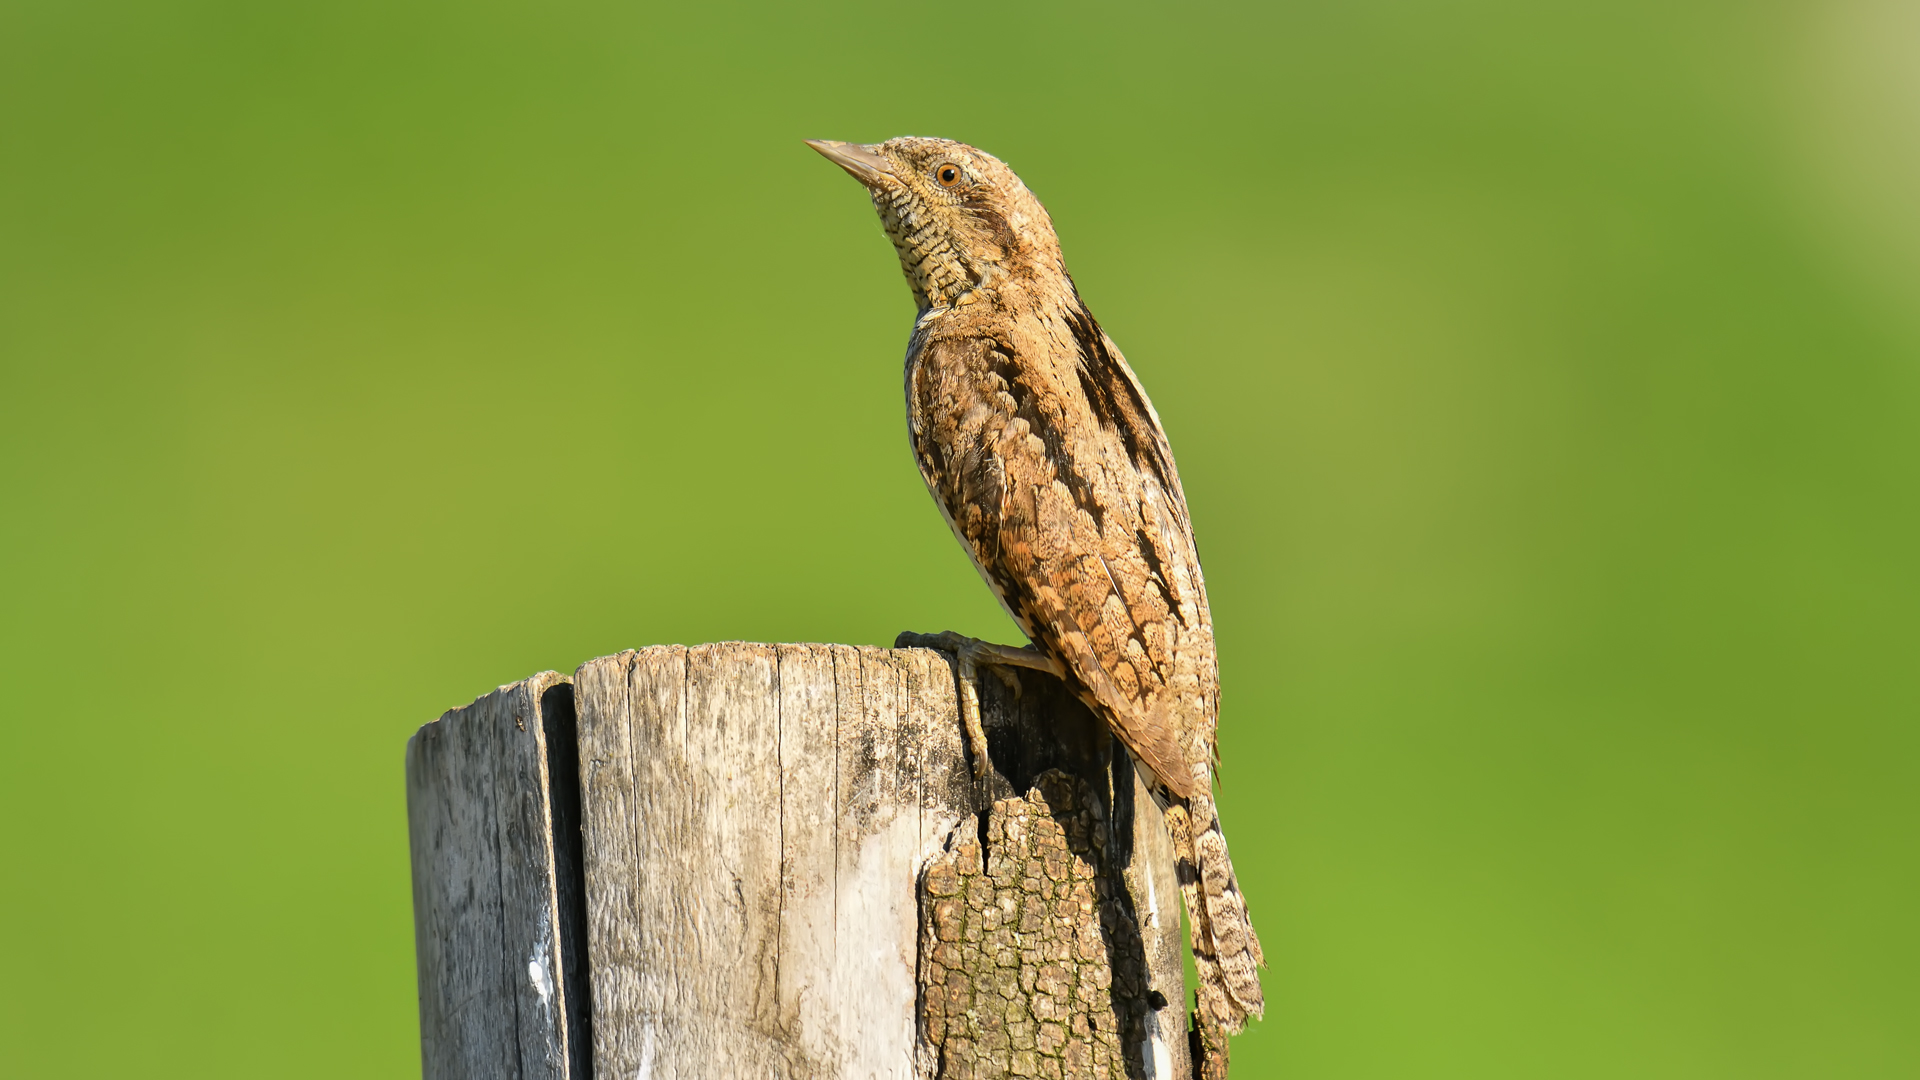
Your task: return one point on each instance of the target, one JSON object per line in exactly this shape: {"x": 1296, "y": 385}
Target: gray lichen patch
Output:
{"x": 1018, "y": 956}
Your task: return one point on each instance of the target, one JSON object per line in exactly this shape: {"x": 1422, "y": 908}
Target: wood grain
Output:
{"x": 756, "y": 823}
{"x": 487, "y": 911}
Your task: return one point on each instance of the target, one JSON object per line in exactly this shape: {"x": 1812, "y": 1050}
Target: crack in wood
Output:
{"x": 766, "y": 835}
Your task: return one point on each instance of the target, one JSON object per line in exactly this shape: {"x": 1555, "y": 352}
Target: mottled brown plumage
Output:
{"x": 1044, "y": 454}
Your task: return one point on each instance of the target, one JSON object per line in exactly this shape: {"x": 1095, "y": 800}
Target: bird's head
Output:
{"x": 961, "y": 220}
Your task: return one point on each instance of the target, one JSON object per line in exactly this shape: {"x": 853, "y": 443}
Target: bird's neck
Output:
{"x": 992, "y": 287}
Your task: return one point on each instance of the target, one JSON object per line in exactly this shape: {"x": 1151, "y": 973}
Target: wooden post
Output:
{"x": 774, "y": 860}
{"x": 496, "y": 867}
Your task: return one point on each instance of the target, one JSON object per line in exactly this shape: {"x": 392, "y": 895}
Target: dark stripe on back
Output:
{"x": 1116, "y": 401}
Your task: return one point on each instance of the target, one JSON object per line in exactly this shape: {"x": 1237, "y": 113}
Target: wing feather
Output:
{"x": 1061, "y": 486}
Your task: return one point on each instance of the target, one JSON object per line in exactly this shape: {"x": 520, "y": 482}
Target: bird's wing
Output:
{"x": 1069, "y": 503}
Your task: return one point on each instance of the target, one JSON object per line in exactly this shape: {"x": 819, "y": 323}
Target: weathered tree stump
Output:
{"x": 775, "y": 860}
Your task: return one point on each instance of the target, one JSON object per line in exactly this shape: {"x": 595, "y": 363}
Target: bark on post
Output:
{"x": 786, "y": 868}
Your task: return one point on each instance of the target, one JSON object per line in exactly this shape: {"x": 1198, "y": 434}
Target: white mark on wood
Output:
{"x": 646, "y": 1056}
{"x": 538, "y": 963}
{"x": 1153, "y": 902}
{"x": 1161, "y": 1057}
{"x": 542, "y": 982}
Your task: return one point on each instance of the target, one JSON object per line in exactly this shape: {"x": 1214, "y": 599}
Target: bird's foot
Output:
{"x": 971, "y": 654}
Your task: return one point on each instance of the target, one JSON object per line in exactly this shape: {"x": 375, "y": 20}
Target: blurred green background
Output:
{"x": 1545, "y": 380}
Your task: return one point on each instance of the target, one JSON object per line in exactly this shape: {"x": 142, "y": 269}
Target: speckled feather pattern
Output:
{"x": 1047, "y": 459}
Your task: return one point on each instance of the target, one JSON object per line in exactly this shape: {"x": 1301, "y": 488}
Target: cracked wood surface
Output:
{"x": 758, "y": 825}
{"x": 486, "y": 906}
{"x": 755, "y": 818}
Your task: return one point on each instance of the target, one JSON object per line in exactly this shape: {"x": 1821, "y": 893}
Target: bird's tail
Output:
{"x": 1226, "y": 952}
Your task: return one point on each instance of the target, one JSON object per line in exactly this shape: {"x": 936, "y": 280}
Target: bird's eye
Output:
{"x": 947, "y": 173}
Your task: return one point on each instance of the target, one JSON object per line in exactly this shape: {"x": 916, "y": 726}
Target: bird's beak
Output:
{"x": 864, "y": 163}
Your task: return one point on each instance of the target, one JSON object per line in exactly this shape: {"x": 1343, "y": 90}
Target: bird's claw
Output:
{"x": 964, "y": 659}
{"x": 970, "y": 654}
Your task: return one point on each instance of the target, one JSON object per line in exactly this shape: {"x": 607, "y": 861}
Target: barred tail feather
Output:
{"x": 1226, "y": 951}
{"x": 1236, "y": 947}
